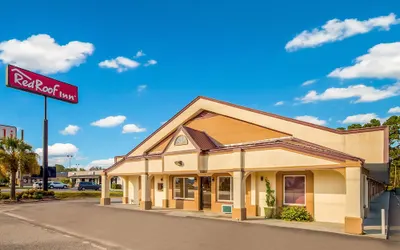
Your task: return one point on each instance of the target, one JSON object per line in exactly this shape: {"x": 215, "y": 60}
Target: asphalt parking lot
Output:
{"x": 129, "y": 229}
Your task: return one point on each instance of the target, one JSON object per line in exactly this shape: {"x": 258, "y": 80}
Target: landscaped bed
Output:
{"x": 33, "y": 195}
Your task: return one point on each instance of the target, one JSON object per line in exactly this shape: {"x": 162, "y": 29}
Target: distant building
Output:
{"x": 90, "y": 176}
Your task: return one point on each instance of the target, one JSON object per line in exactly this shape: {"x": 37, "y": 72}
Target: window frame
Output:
{"x": 305, "y": 190}
{"x": 231, "y": 191}
{"x": 183, "y": 178}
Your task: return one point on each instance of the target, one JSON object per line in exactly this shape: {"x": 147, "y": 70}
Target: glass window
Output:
{"x": 184, "y": 188}
{"x": 295, "y": 190}
{"x": 225, "y": 188}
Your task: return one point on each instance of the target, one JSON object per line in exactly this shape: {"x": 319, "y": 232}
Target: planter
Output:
{"x": 269, "y": 212}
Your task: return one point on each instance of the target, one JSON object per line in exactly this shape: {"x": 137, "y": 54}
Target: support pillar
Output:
{"x": 105, "y": 191}
{"x": 239, "y": 196}
{"x": 145, "y": 203}
{"x": 354, "y": 201}
{"x": 165, "y": 191}
{"x": 252, "y": 207}
{"x": 366, "y": 197}
{"x": 125, "y": 189}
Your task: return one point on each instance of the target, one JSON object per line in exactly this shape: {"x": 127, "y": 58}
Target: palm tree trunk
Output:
{"x": 12, "y": 193}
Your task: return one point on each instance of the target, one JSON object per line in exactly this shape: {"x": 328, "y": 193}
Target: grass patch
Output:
{"x": 84, "y": 194}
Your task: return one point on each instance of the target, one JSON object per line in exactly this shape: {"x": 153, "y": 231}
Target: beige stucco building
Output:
{"x": 215, "y": 156}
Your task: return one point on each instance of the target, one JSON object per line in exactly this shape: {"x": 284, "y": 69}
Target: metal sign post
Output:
{"x": 45, "y": 147}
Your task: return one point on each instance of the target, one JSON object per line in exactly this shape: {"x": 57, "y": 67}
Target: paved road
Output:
{"x": 143, "y": 230}
{"x": 18, "y": 235}
{"x": 394, "y": 219}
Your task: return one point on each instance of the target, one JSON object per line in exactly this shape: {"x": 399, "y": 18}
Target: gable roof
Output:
{"x": 339, "y": 132}
{"x": 336, "y": 131}
{"x": 203, "y": 141}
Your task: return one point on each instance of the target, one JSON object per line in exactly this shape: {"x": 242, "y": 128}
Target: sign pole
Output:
{"x": 45, "y": 147}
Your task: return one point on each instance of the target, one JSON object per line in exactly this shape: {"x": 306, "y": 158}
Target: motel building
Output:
{"x": 215, "y": 156}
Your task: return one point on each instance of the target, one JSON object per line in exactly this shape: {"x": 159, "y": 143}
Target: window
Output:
{"x": 225, "y": 188}
{"x": 184, "y": 188}
{"x": 294, "y": 190}
{"x": 181, "y": 140}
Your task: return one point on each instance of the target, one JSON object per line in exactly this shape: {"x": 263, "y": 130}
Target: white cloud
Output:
{"x": 70, "y": 130}
{"x": 120, "y": 63}
{"x": 104, "y": 163}
{"x": 163, "y": 122}
{"x": 41, "y": 53}
{"x": 337, "y": 30}
{"x": 360, "y": 118}
{"x": 279, "y": 103}
{"x": 141, "y": 88}
{"x": 132, "y": 128}
{"x": 394, "y": 110}
{"x": 381, "y": 61}
{"x": 59, "y": 149}
{"x": 150, "y": 62}
{"x": 140, "y": 54}
{"x": 110, "y": 121}
{"x": 361, "y": 92}
{"x": 310, "y": 119}
{"x": 309, "y": 82}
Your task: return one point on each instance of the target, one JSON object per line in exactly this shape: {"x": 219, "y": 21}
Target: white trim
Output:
{"x": 173, "y": 189}
{"x": 230, "y": 191}
{"x": 305, "y": 190}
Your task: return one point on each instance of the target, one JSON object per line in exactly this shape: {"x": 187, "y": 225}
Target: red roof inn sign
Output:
{"x": 22, "y": 79}
{"x": 26, "y": 80}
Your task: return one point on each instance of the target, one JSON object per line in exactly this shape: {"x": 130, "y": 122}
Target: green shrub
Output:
{"x": 4, "y": 196}
{"x": 295, "y": 214}
{"x": 66, "y": 181}
{"x": 116, "y": 186}
{"x": 84, "y": 194}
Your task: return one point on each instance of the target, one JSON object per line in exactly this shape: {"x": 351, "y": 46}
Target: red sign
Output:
{"x": 42, "y": 85}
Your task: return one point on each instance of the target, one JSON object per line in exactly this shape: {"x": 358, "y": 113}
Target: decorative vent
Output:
{"x": 226, "y": 209}
{"x": 181, "y": 140}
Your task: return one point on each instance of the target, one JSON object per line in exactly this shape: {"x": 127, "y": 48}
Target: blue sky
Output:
{"x": 251, "y": 53}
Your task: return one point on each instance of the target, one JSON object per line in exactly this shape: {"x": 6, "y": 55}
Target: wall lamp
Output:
{"x": 262, "y": 178}
{"x": 179, "y": 163}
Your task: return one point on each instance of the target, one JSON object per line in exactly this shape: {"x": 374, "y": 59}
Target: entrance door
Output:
{"x": 205, "y": 196}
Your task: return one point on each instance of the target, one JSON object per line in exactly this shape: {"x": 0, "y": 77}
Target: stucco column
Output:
{"x": 165, "y": 191}
{"x": 239, "y": 195}
{"x": 145, "y": 203}
{"x": 252, "y": 207}
{"x": 366, "y": 197}
{"x": 125, "y": 189}
{"x": 105, "y": 191}
{"x": 354, "y": 201}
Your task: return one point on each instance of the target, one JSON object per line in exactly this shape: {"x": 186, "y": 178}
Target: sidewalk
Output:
{"x": 372, "y": 224}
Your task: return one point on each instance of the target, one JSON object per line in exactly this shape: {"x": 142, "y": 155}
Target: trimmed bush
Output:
{"x": 4, "y": 196}
{"x": 84, "y": 194}
{"x": 116, "y": 186}
{"x": 295, "y": 214}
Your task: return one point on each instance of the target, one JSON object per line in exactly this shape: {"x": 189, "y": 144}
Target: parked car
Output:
{"x": 37, "y": 185}
{"x": 57, "y": 184}
{"x": 88, "y": 185}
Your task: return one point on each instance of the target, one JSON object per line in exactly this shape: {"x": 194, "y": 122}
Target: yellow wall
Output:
{"x": 190, "y": 162}
{"x": 221, "y": 161}
{"x": 129, "y": 167}
{"x": 158, "y": 194}
{"x": 155, "y": 165}
{"x": 329, "y": 196}
{"x": 280, "y": 158}
{"x": 261, "y": 189}
{"x": 367, "y": 145}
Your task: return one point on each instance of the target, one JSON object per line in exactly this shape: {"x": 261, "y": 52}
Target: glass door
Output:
{"x": 205, "y": 197}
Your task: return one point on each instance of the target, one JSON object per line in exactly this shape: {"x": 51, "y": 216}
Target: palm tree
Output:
{"x": 16, "y": 154}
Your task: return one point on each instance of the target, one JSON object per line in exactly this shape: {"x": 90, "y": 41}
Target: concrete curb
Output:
{"x": 95, "y": 242}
